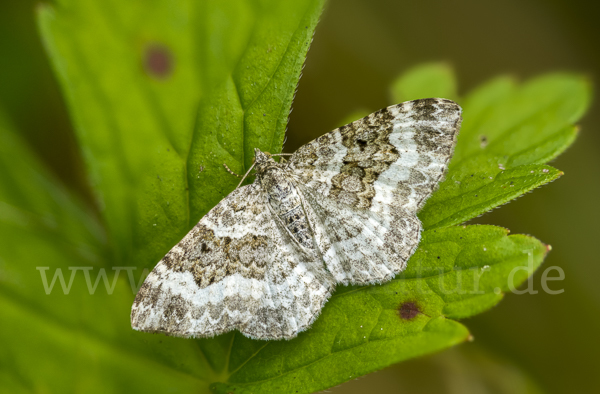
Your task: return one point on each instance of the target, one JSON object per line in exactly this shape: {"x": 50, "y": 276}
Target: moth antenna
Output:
{"x": 231, "y": 172}
{"x": 246, "y": 174}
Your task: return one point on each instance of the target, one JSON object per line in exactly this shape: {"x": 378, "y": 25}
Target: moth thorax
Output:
{"x": 280, "y": 190}
{"x": 264, "y": 164}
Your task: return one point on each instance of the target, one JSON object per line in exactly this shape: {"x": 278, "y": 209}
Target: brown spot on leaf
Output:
{"x": 483, "y": 141}
{"x": 158, "y": 61}
{"x": 408, "y": 310}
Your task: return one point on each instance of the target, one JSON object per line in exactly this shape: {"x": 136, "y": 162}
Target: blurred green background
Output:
{"x": 529, "y": 343}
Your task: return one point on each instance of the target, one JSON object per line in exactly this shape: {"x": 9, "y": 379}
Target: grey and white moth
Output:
{"x": 343, "y": 209}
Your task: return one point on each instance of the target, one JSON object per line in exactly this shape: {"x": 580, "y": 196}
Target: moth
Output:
{"x": 342, "y": 210}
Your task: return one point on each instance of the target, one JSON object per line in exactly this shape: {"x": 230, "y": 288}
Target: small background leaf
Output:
{"x": 425, "y": 81}
{"x": 507, "y": 134}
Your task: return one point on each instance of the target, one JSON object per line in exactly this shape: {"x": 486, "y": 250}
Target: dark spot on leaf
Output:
{"x": 483, "y": 141}
{"x": 158, "y": 61}
{"x": 408, "y": 310}
{"x": 438, "y": 257}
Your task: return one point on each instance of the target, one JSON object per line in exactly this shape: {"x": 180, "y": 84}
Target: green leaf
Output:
{"x": 135, "y": 125}
{"x": 457, "y": 272}
{"x": 508, "y": 133}
{"x": 134, "y": 76}
{"x": 250, "y": 108}
{"x": 44, "y": 230}
{"x": 162, "y": 95}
